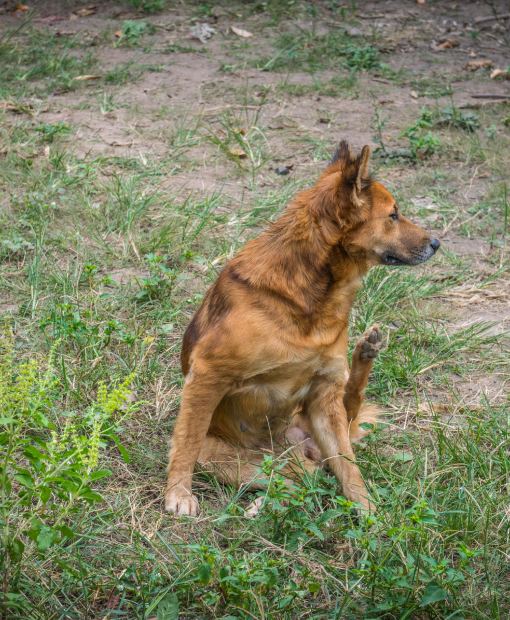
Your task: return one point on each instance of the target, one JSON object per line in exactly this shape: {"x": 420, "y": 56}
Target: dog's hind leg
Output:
{"x": 231, "y": 464}
{"x": 363, "y": 357}
{"x": 241, "y": 467}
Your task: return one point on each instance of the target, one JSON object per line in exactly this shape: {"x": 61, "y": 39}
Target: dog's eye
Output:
{"x": 394, "y": 216}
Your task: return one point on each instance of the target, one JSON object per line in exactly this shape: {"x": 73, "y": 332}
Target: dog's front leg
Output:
{"x": 201, "y": 395}
{"x": 330, "y": 430}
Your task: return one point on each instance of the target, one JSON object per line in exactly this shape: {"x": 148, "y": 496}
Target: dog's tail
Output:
{"x": 364, "y": 422}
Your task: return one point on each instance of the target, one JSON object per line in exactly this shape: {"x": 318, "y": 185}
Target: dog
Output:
{"x": 265, "y": 356}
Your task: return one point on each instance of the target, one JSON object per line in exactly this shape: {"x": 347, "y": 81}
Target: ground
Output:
{"x": 134, "y": 161}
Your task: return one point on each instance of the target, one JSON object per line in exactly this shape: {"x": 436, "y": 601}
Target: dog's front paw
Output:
{"x": 181, "y": 502}
{"x": 370, "y": 344}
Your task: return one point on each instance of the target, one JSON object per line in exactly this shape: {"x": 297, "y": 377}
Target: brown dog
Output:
{"x": 265, "y": 356}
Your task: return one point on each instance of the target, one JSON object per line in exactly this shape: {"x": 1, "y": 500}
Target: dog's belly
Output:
{"x": 257, "y": 413}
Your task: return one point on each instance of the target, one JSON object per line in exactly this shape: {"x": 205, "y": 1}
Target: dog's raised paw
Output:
{"x": 181, "y": 503}
{"x": 370, "y": 344}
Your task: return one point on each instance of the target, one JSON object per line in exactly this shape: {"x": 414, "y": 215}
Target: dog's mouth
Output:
{"x": 392, "y": 259}
{"x": 413, "y": 258}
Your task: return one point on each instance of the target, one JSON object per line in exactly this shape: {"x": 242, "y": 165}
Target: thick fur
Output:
{"x": 265, "y": 356}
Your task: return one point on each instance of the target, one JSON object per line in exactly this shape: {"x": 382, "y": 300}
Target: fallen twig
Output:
{"x": 481, "y": 20}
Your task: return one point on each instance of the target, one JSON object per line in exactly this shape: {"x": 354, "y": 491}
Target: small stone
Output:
{"x": 283, "y": 170}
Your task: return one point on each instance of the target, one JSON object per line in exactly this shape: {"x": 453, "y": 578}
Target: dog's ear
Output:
{"x": 361, "y": 165}
{"x": 354, "y": 169}
{"x": 354, "y": 174}
{"x": 342, "y": 154}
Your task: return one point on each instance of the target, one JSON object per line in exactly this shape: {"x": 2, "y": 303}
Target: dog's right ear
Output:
{"x": 342, "y": 154}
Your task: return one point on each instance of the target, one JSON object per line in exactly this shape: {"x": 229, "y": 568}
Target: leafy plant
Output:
{"x": 132, "y": 31}
{"x": 50, "y": 131}
{"x": 422, "y": 142}
{"x": 148, "y": 6}
{"x": 49, "y": 466}
{"x": 452, "y": 116}
{"x": 159, "y": 283}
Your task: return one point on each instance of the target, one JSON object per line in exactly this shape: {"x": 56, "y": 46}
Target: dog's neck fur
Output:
{"x": 300, "y": 256}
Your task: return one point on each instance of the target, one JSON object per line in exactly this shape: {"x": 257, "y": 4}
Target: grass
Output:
{"x": 106, "y": 254}
{"x": 312, "y": 52}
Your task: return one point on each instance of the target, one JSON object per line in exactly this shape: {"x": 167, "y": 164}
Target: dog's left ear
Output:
{"x": 355, "y": 174}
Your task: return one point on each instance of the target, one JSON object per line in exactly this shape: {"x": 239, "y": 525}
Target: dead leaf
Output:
{"x": 17, "y": 108}
{"x": 52, "y": 19}
{"x": 21, "y": 8}
{"x": 113, "y": 601}
{"x": 480, "y": 63}
{"x": 245, "y": 34}
{"x": 84, "y": 78}
{"x": 421, "y": 1}
{"x": 446, "y": 44}
{"x": 500, "y": 74}
{"x": 414, "y": 94}
{"x": 85, "y": 11}
{"x": 237, "y": 152}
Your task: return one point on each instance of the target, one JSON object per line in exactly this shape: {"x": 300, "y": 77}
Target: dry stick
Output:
{"x": 481, "y": 20}
{"x": 490, "y": 96}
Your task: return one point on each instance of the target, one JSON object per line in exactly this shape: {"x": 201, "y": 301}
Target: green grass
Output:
{"x": 311, "y": 52}
{"x": 105, "y": 253}
{"x": 38, "y": 62}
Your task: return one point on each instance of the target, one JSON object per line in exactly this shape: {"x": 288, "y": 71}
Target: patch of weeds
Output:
{"x": 159, "y": 283}
{"x": 132, "y": 31}
{"x": 148, "y": 6}
{"x": 50, "y": 473}
{"x": 422, "y": 142}
{"x": 336, "y": 86}
{"x": 36, "y": 62}
{"x": 490, "y": 216}
{"x": 240, "y": 140}
{"x": 184, "y": 134}
{"x": 82, "y": 331}
{"x": 398, "y": 76}
{"x": 14, "y": 246}
{"x": 107, "y": 103}
{"x": 127, "y": 202}
{"x": 431, "y": 87}
{"x": 123, "y": 73}
{"x": 50, "y": 131}
{"x": 311, "y": 53}
{"x": 184, "y": 227}
{"x": 452, "y": 116}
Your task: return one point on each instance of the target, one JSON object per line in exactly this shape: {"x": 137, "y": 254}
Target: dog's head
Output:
{"x": 374, "y": 230}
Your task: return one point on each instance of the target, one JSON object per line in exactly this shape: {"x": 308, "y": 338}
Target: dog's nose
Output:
{"x": 434, "y": 244}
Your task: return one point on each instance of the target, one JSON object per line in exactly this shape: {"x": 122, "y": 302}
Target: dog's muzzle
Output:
{"x": 413, "y": 258}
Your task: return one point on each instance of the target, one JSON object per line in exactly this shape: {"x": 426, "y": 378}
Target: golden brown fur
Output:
{"x": 265, "y": 357}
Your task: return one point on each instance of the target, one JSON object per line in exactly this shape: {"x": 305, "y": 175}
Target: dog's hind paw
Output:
{"x": 181, "y": 502}
{"x": 370, "y": 344}
{"x": 254, "y": 507}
